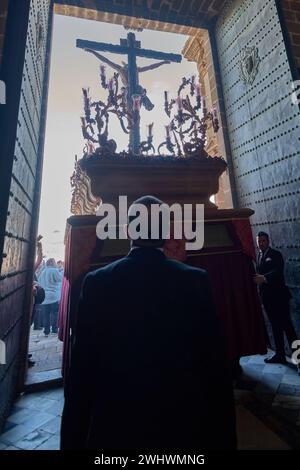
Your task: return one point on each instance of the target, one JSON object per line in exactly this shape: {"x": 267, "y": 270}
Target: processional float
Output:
{"x": 178, "y": 171}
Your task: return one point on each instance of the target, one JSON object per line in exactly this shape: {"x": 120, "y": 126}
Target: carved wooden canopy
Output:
{"x": 83, "y": 202}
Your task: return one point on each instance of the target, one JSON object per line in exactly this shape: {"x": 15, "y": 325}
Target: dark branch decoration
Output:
{"x": 95, "y": 124}
{"x": 127, "y": 105}
{"x": 186, "y": 133}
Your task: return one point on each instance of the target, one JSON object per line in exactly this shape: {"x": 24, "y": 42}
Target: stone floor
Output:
{"x": 271, "y": 392}
{"x": 46, "y": 351}
{"x": 34, "y": 422}
{"x": 267, "y": 404}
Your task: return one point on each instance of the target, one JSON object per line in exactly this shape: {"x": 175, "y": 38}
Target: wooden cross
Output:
{"x": 132, "y": 48}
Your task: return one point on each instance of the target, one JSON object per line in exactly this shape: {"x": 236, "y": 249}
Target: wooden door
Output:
{"x": 24, "y": 69}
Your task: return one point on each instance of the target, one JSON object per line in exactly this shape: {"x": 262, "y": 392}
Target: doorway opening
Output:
{"x": 71, "y": 70}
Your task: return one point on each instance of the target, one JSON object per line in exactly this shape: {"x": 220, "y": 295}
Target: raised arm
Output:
{"x": 39, "y": 255}
{"x": 101, "y": 57}
{"x": 153, "y": 66}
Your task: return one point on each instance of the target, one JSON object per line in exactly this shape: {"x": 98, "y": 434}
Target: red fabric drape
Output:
{"x": 64, "y": 298}
{"x": 237, "y": 302}
{"x": 244, "y": 233}
{"x": 64, "y": 306}
{"x": 175, "y": 248}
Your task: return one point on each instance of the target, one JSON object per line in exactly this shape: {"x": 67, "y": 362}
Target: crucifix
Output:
{"x": 129, "y": 73}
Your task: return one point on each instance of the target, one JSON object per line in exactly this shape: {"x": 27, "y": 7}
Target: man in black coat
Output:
{"x": 148, "y": 368}
{"x": 275, "y": 295}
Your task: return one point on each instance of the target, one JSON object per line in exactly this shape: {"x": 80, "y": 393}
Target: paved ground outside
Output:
{"x": 46, "y": 351}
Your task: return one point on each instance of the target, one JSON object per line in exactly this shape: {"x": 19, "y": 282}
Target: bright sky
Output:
{"x": 72, "y": 69}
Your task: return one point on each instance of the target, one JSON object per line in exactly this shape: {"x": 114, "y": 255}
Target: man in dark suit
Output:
{"x": 275, "y": 295}
{"x": 148, "y": 368}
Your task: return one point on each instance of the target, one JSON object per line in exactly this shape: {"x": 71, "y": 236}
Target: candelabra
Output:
{"x": 95, "y": 123}
{"x": 147, "y": 145}
{"x": 186, "y": 132}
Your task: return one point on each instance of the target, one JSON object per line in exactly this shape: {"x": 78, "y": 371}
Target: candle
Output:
{"x": 179, "y": 102}
{"x": 103, "y": 76}
{"x": 86, "y": 100}
{"x": 198, "y": 89}
{"x": 167, "y": 132}
{"x": 150, "y": 129}
{"x": 110, "y": 84}
{"x": 136, "y": 102}
{"x": 90, "y": 147}
{"x": 85, "y": 93}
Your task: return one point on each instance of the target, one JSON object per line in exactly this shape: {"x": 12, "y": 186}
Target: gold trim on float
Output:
{"x": 214, "y": 253}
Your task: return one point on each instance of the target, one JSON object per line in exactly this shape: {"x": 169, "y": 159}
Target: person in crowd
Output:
{"x": 37, "y": 319}
{"x": 148, "y": 365}
{"x": 60, "y": 265}
{"x": 38, "y": 294}
{"x": 38, "y": 298}
{"x": 50, "y": 278}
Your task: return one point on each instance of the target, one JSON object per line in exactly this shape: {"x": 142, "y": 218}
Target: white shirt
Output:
{"x": 50, "y": 279}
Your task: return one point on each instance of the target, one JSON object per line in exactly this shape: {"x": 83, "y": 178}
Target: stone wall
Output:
{"x": 263, "y": 127}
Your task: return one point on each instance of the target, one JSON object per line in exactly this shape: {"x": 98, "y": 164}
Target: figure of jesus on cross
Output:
{"x": 129, "y": 73}
{"x": 123, "y": 72}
